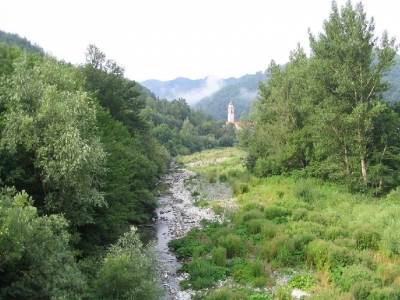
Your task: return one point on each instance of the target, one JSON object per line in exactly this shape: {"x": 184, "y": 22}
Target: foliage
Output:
{"x": 49, "y": 117}
{"x": 324, "y": 115}
{"x": 204, "y": 273}
{"x": 128, "y": 271}
{"x": 36, "y": 260}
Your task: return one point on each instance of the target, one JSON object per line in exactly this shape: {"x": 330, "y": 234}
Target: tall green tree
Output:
{"x": 348, "y": 63}
{"x": 48, "y": 116}
{"x": 36, "y": 261}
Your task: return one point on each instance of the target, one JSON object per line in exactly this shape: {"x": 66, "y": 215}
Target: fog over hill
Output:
{"x": 191, "y": 90}
{"x": 211, "y": 94}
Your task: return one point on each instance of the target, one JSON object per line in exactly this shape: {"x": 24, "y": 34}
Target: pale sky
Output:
{"x": 165, "y": 39}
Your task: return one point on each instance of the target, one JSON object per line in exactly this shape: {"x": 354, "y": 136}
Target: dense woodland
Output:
{"x": 82, "y": 149}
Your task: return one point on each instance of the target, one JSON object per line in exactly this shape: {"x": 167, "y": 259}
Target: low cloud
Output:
{"x": 212, "y": 84}
{"x": 247, "y": 95}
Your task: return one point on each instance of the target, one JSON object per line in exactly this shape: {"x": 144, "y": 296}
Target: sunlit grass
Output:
{"x": 280, "y": 217}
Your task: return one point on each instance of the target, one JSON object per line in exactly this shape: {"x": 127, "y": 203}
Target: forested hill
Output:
{"x": 191, "y": 90}
{"x": 13, "y": 39}
{"x": 242, "y": 93}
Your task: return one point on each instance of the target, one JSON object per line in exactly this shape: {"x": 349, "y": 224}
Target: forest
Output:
{"x": 82, "y": 149}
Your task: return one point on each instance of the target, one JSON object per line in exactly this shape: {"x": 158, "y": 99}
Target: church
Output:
{"x": 231, "y": 115}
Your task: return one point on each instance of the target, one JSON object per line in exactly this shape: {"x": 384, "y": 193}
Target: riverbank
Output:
{"x": 178, "y": 213}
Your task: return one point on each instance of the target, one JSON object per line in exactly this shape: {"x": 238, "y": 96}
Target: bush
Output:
{"x": 227, "y": 294}
{"x": 183, "y": 247}
{"x": 276, "y": 213}
{"x": 219, "y": 256}
{"x": 303, "y": 281}
{"x": 254, "y": 226}
{"x": 204, "y": 274}
{"x": 232, "y": 243}
{"x": 361, "y": 290}
{"x": 223, "y": 178}
{"x": 367, "y": 238}
{"x": 303, "y": 191}
{"x": 240, "y": 188}
{"x": 280, "y": 249}
{"x": 269, "y": 229}
{"x": 317, "y": 253}
{"x": 385, "y": 293}
{"x": 252, "y": 205}
{"x": 335, "y": 232}
{"x": 252, "y": 214}
{"x": 356, "y": 273}
{"x": 299, "y": 214}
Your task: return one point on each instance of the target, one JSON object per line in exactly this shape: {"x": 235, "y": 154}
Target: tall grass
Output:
{"x": 352, "y": 241}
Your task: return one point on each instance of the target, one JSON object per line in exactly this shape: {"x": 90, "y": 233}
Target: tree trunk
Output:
{"x": 364, "y": 170}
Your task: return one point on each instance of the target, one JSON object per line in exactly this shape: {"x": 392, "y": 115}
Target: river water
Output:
{"x": 176, "y": 215}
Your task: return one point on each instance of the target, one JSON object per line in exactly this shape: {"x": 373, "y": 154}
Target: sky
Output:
{"x": 166, "y": 39}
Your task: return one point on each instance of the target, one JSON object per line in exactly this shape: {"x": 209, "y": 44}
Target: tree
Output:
{"x": 348, "y": 65}
{"x": 48, "y": 116}
{"x": 129, "y": 271}
{"x": 36, "y": 261}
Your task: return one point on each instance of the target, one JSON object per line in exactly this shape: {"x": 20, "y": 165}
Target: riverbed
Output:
{"x": 176, "y": 215}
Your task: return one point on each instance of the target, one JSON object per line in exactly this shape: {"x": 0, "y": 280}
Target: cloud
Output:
{"x": 247, "y": 95}
{"x": 212, "y": 84}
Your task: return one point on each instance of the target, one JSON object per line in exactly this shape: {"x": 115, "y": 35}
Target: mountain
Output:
{"x": 191, "y": 90}
{"x": 210, "y": 94}
{"x": 242, "y": 93}
{"x": 22, "y": 43}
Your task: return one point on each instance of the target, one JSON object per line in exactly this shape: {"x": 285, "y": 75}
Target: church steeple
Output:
{"x": 231, "y": 112}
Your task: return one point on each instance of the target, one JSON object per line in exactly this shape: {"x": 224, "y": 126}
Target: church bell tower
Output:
{"x": 231, "y": 112}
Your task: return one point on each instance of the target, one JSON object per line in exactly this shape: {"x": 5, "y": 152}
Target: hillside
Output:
{"x": 191, "y": 90}
{"x": 22, "y": 43}
{"x": 242, "y": 93}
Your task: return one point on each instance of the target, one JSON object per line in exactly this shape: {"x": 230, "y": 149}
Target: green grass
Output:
{"x": 349, "y": 242}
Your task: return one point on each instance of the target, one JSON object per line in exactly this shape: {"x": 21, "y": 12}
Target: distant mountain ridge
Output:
{"x": 191, "y": 90}
{"x": 211, "y": 94}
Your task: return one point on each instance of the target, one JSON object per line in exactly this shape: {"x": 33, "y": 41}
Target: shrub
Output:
{"x": 183, "y": 247}
{"x": 385, "y": 293}
{"x": 252, "y": 214}
{"x": 357, "y": 273}
{"x": 335, "y": 232}
{"x": 276, "y": 213}
{"x": 279, "y": 248}
{"x": 195, "y": 194}
{"x": 252, "y": 205}
{"x": 240, "y": 188}
{"x": 219, "y": 256}
{"x": 303, "y": 191}
{"x": 303, "y": 281}
{"x": 203, "y": 273}
{"x": 390, "y": 241}
{"x": 299, "y": 214}
{"x": 221, "y": 232}
{"x": 317, "y": 253}
{"x": 254, "y": 226}
{"x": 361, "y": 290}
{"x": 367, "y": 238}
{"x": 232, "y": 243}
{"x": 226, "y": 294}
{"x": 269, "y": 229}
{"x": 223, "y": 177}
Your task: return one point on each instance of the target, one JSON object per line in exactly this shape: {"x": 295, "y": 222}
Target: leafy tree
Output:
{"x": 36, "y": 261}
{"x": 348, "y": 65}
{"x": 128, "y": 271}
{"x": 105, "y": 78}
{"x": 49, "y": 117}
